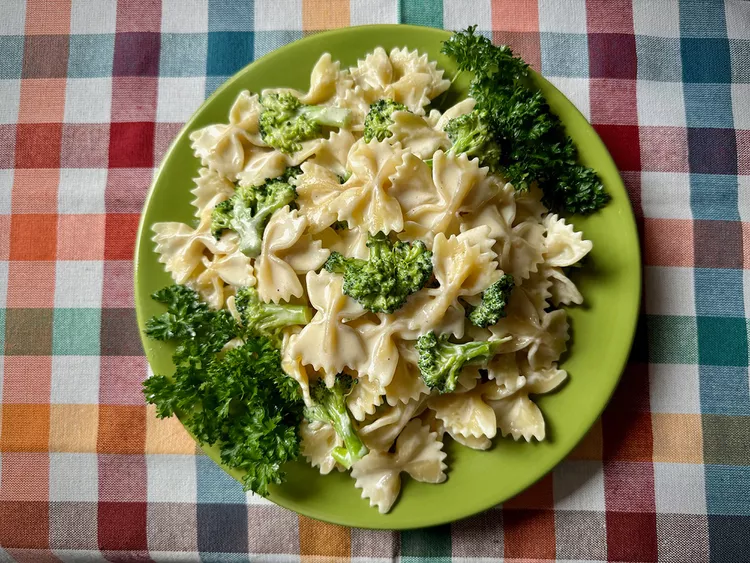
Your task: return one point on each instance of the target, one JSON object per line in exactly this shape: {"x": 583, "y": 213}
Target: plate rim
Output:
{"x": 630, "y": 322}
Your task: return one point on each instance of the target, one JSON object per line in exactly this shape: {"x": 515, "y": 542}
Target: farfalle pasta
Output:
{"x": 330, "y": 197}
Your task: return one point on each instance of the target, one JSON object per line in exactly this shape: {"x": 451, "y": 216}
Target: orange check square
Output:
{"x": 42, "y": 100}
{"x": 35, "y": 190}
{"x": 25, "y": 428}
{"x": 122, "y": 429}
{"x": 81, "y": 237}
{"x": 590, "y": 447}
{"x": 120, "y": 235}
{"x": 515, "y": 15}
{"x": 33, "y": 237}
{"x": 321, "y": 541}
{"x": 628, "y": 435}
{"x": 166, "y": 435}
{"x": 31, "y": 274}
{"x": 668, "y": 242}
{"x": 47, "y": 18}
{"x": 4, "y": 237}
{"x": 678, "y": 438}
{"x": 324, "y": 14}
{"x": 27, "y": 379}
{"x": 73, "y": 428}
{"x": 538, "y": 496}
{"x": 25, "y": 476}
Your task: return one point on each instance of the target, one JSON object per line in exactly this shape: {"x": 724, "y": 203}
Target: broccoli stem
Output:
{"x": 330, "y": 117}
{"x": 353, "y": 448}
{"x": 280, "y": 316}
{"x": 330, "y": 406}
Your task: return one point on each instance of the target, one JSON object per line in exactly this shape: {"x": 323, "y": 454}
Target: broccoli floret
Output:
{"x": 285, "y": 121}
{"x": 472, "y": 134}
{"x": 329, "y": 405}
{"x": 268, "y": 319}
{"x": 340, "y": 226}
{"x": 394, "y": 271}
{"x": 494, "y": 300}
{"x": 247, "y": 212}
{"x": 379, "y": 119}
{"x": 440, "y": 362}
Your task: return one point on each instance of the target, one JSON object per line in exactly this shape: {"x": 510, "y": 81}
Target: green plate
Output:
{"x": 602, "y": 329}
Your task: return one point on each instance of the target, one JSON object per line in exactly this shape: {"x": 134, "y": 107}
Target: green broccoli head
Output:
{"x": 393, "y": 271}
{"x": 329, "y": 405}
{"x": 440, "y": 362}
{"x": 268, "y": 319}
{"x": 494, "y": 300}
{"x": 285, "y": 121}
{"x": 472, "y": 134}
{"x": 247, "y": 212}
{"x": 379, "y": 119}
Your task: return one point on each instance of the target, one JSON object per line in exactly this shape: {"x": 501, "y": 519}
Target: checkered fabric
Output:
{"x": 92, "y": 92}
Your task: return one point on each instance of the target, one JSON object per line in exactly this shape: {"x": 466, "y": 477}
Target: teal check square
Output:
{"x": 672, "y": 339}
{"x": 76, "y": 332}
{"x": 267, "y": 41}
{"x": 183, "y": 54}
{"x": 722, "y": 341}
{"x": 91, "y": 56}
{"x": 11, "y": 55}
{"x": 565, "y": 54}
{"x": 427, "y": 544}
{"x": 659, "y": 58}
{"x": 728, "y": 490}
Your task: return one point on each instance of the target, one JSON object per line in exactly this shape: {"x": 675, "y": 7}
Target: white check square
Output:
{"x": 81, "y": 190}
{"x": 188, "y": 557}
{"x": 184, "y": 16}
{"x": 680, "y": 488}
{"x": 73, "y": 477}
{"x": 669, "y": 291}
{"x": 674, "y": 388}
{"x": 13, "y": 19}
{"x": 179, "y": 98}
{"x": 561, "y": 17}
{"x": 10, "y": 94}
{"x": 6, "y": 191}
{"x": 88, "y": 100}
{"x": 171, "y": 478}
{"x": 84, "y": 556}
{"x": 457, "y": 15}
{"x": 285, "y": 15}
{"x": 78, "y": 284}
{"x": 660, "y": 103}
{"x": 656, "y": 18}
{"x": 75, "y": 380}
{"x": 579, "y": 485}
{"x": 665, "y": 195}
{"x": 740, "y": 105}
{"x": 576, "y": 90}
{"x": 743, "y": 198}
{"x": 257, "y": 499}
{"x": 745, "y": 291}
{"x": 737, "y": 16}
{"x": 93, "y": 16}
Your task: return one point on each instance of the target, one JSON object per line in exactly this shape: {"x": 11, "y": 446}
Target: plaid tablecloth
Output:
{"x": 92, "y": 92}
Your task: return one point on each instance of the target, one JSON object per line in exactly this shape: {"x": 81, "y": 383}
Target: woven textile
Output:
{"x": 91, "y": 94}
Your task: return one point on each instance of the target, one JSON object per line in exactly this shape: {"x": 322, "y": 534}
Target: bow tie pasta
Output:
{"x": 302, "y": 229}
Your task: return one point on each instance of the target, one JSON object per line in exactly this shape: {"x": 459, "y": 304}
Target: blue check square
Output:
{"x": 229, "y": 51}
